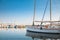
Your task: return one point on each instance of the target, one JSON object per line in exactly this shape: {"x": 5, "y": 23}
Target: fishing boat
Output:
{"x": 51, "y": 28}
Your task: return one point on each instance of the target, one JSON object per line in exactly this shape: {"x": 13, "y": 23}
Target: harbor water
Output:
{"x": 13, "y": 34}
{"x": 19, "y": 34}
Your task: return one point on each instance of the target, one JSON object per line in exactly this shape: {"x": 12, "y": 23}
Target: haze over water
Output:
{"x": 20, "y": 12}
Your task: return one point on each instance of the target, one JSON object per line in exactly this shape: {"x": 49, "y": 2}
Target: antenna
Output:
{"x": 34, "y": 12}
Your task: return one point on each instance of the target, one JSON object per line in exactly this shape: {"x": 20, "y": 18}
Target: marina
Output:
{"x": 44, "y": 31}
{"x": 29, "y": 19}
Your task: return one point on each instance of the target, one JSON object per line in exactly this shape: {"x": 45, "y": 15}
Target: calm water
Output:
{"x": 13, "y": 34}
{"x": 19, "y": 34}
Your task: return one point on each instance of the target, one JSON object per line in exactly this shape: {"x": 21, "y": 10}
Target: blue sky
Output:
{"x": 21, "y": 11}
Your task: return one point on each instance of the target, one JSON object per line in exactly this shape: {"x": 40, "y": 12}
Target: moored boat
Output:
{"x": 50, "y": 28}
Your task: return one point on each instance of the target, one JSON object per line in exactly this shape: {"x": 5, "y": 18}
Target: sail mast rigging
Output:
{"x": 44, "y": 12}
{"x": 34, "y": 12}
{"x": 50, "y": 14}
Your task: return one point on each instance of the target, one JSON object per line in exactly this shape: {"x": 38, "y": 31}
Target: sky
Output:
{"x": 21, "y": 11}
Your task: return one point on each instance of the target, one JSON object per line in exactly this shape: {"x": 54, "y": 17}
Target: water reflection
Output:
{"x": 21, "y": 34}
{"x": 43, "y": 36}
{"x": 13, "y": 34}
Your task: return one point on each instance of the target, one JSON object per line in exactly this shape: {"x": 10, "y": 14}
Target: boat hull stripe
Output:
{"x": 42, "y": 32}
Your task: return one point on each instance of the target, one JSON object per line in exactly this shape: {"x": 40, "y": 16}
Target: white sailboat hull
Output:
{"x": 47, "y": 31}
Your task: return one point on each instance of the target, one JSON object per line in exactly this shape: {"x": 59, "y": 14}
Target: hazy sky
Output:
{"x": 21, "y": 11}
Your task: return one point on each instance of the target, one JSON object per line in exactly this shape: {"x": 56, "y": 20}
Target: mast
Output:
{"x": 34, "y": 11}
{"x": 50, "y": 14}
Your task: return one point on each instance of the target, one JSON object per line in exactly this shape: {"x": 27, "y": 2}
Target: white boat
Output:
{"x": 46, "y": 29}
{"x": 38, "y": 29}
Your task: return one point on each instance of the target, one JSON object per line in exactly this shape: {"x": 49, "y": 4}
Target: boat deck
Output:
{"x": 45, "y": 27}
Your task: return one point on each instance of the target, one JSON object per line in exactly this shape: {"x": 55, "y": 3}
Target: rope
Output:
{"x": 44, "y": 11}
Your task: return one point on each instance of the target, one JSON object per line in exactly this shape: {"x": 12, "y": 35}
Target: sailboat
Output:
{"x": 46, "y": 29}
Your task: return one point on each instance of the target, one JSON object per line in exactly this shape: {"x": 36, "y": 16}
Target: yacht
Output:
{"x": 52, "y": 28}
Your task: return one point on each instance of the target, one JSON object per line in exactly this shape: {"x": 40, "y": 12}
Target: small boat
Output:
{"x": 50, "y": 28}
